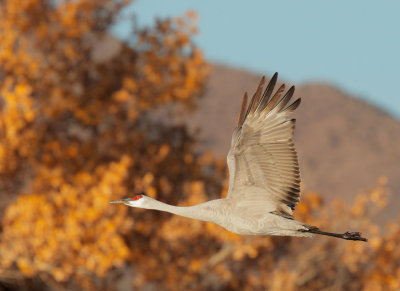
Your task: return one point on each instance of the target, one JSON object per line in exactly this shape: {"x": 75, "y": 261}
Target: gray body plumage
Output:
{"x": 237, "y": 218}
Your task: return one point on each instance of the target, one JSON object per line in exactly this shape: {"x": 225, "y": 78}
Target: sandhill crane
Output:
{"x": 264, "y": 178}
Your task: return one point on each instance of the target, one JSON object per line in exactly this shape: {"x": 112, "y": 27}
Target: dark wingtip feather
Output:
{"x": 293, "y": 106}
{"x": 274, "y": 77}
{"x": 267, "y": 93}
{"x": 285, "y": 100}
{"x": 256, "y": 98}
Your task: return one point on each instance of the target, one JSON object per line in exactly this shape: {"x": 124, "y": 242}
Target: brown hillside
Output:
{"x": 344, "y": 144}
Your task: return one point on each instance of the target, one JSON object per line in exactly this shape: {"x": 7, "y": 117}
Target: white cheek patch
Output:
{"x": 135, "y": 203}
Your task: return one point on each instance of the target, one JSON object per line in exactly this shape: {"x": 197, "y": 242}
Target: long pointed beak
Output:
{"x": 119, "y": 201}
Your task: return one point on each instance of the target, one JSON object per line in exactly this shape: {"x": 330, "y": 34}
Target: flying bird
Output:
{"x": 264, "y": 175}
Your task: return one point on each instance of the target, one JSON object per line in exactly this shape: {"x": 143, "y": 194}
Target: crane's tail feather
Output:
{"x": 347, "y": 235}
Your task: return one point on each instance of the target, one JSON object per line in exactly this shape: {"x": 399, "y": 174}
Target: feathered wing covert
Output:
{"x": 262, "y": 161}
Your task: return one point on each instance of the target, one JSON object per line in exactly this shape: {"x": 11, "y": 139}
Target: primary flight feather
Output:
{"x": 264, "y": 177}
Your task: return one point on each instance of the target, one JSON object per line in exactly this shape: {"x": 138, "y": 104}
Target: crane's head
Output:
{"x": 135, "y": 201}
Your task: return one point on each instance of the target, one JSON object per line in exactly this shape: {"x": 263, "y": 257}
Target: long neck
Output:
{"x": 207, "y": 211}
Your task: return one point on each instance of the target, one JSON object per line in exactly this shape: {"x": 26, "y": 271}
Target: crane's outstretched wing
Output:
{"x": 262, "y": 161}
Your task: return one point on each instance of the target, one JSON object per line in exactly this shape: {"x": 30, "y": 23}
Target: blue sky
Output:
{"x": 353, "y": 45}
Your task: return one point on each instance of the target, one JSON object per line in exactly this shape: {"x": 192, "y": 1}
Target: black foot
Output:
{"x": 353, "y": 236}
{"x": 347, "y": 235}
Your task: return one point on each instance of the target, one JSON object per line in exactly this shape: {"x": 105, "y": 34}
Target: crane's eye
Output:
{"x": 137, "y": 197}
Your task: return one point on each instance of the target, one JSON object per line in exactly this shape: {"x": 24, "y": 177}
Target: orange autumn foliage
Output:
{"x": 76, "y": 130}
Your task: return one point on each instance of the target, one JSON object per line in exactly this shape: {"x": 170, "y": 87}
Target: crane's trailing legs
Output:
{"x": 347, "y": 235}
